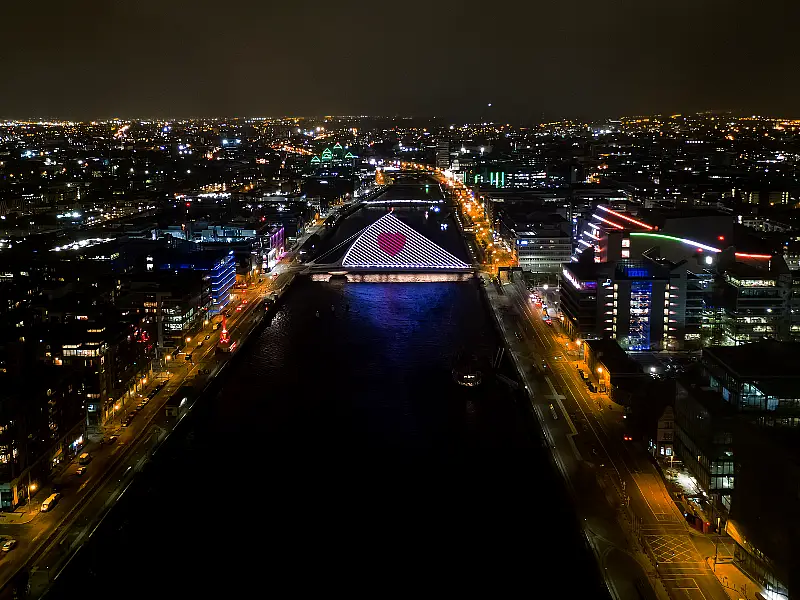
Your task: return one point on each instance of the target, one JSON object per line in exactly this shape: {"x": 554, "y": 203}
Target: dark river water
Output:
{"x": 340, "y": 457}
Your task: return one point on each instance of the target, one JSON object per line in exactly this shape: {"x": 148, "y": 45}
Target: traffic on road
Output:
{"x": 62, "y": 512}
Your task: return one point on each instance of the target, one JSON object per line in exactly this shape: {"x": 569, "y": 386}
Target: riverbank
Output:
{"x": 594, "y": 504}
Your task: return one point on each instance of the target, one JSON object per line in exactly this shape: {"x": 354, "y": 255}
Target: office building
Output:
{"x": 219, "y": 265}
{"x": 737, "y": 422}
{"x": 639, "y": 303}
{"x": 173, "y": 305}
{"x": 443, "y": 154}
{"x": 543, "y": 250}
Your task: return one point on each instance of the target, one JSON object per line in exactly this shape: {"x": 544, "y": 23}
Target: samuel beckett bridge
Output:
{"x": 390, "y": 250}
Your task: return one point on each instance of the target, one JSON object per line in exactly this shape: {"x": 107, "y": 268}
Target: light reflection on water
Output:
{"x": 341, "y": 453}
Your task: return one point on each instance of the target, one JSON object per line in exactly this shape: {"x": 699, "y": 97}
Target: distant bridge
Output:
{"x": 384, "y": 202}
{"x": 390, "y": 250}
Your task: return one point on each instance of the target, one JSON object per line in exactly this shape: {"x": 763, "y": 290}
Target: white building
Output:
{"x": 543, "y": 250}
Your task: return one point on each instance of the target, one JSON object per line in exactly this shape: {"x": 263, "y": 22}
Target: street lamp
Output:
{"x": 188, "y": 339}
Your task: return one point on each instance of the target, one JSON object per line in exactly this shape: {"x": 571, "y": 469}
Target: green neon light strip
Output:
{"x": 675, "y": 239}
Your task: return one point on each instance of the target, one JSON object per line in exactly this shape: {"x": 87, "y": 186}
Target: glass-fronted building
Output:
{"x": 738, "y": 434}
{"x": 223, "y": 276}
{"x": 219, "y": 265}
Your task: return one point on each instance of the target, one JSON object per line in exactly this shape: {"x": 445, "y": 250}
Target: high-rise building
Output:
{"x": 640, "y": 303}
{"x": 443, "y": 154}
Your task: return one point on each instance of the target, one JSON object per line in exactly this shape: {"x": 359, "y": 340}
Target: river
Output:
{"x": 340, "y": 457}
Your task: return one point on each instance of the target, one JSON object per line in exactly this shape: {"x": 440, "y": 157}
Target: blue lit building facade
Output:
{"x": 219, "y": 267}
{"x": 223, "y": 276}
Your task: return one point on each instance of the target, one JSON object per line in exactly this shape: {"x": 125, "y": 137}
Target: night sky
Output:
{"x": 85, "y": 59}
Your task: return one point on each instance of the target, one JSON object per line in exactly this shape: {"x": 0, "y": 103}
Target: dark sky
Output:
{"x": 84, "y": 59}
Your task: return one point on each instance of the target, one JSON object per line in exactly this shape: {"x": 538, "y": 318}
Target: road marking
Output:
{"x": 573, "y": 432}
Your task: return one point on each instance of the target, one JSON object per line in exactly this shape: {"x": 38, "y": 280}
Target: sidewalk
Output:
{"x": 22, "y": 515}
{"x": 736, "y": 583}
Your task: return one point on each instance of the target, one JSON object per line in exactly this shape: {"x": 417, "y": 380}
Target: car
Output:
{"x": 9, "y": 545}
{"x": 208, "y": 337}
{"x": 627, "y": 438}
{"x": 244, "y": 301}
{"x": 200, "y": 343}
{"x": 80, "y": 470}
{"x": 111, "y": 439}
{"x": 239, "y": 308}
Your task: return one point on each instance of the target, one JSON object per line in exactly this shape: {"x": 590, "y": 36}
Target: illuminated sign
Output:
{"x": 391, "y": 244}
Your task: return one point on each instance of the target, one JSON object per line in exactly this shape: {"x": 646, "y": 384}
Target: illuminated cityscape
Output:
{"x": 633, "y": 267}
{"x": 367, "y": 298}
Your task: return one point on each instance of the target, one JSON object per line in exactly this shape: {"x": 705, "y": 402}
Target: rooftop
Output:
{"x": 615, "y": 359}
{"x": 587, "y": 271}
{"x": 760, "y": 360}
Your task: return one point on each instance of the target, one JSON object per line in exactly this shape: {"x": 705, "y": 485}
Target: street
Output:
{"x": 46, "y": 540}
{"x": 633, "y": 525}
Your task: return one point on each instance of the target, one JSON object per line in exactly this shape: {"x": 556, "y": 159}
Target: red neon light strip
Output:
{"x": 621, "y": 216}
{"x": 606, "y": 221}
{"x": 745, "y": 255}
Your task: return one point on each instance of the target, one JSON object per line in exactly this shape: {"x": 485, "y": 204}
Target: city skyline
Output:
{"x": 399, "y": 335}
{"x": 538, "y": 61}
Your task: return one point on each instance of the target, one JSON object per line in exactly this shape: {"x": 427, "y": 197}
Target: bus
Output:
{"x": 50, "y": 502}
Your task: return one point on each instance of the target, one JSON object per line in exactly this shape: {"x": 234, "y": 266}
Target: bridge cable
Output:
{"x": 340, "y": 244}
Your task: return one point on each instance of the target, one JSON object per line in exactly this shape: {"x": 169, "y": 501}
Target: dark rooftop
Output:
{"x": 615, "y": 359}
{"x": 764, "y": 359}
